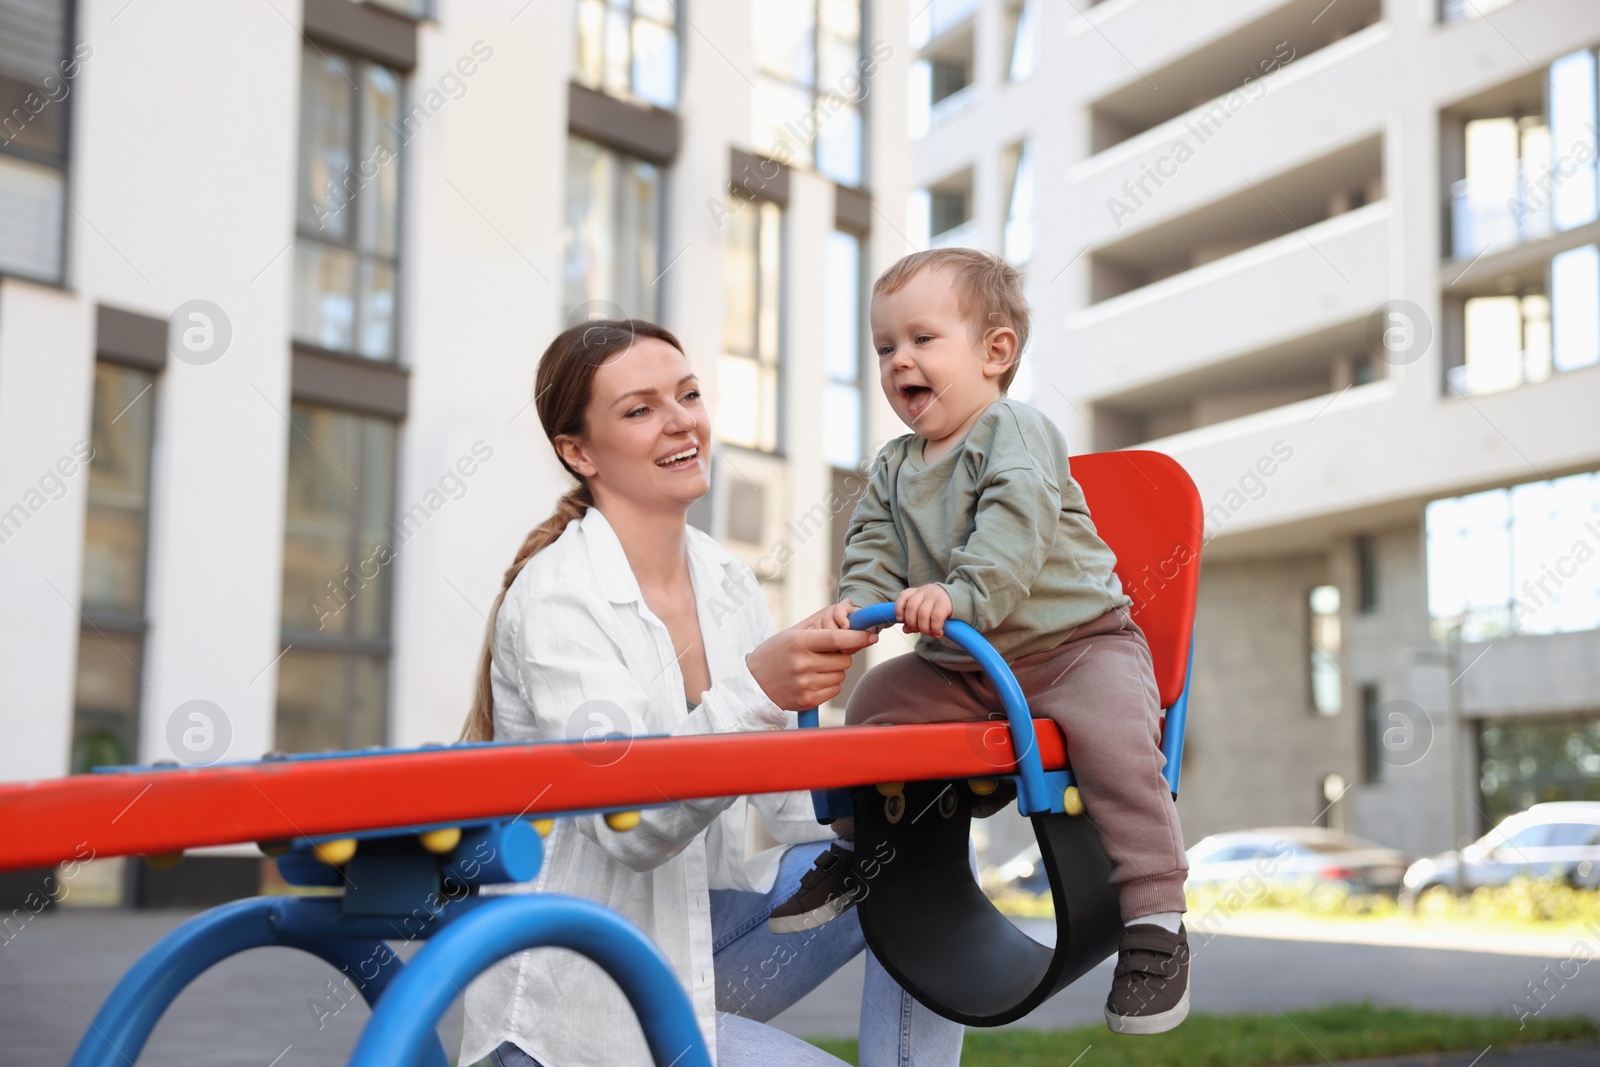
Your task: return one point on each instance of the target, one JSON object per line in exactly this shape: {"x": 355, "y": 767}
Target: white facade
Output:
{"x": 1296, "y": 166}
{"x": 182, "y": 183}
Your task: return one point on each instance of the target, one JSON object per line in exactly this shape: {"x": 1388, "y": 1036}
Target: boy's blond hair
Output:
{"x": 989, "y": 291}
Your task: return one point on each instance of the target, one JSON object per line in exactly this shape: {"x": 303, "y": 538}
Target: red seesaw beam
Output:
{"x": 170, "y": 809}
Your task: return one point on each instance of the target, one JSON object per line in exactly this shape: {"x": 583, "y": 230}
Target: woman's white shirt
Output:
{"x": 578, "y": 653}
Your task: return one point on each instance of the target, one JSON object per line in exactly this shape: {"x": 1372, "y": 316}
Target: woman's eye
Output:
{"x": 693, "y": 394}
{"x": 640, "y": 410}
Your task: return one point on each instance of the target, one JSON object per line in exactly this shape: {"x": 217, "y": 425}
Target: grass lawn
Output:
{"x": 1337, "y": 1032}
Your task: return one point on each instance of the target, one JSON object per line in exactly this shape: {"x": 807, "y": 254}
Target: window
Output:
{"x": 105, "y": 727}
{"x": 1520, "y": 338}
{"x": 1017, "y": 244}
{"x": 337, "y": 563}
{"x": 1526, "y": 761}
{"x": 1022, "y": 17}
{"x": 348, "y": 218}
{"x": 37, "y": 72}
{"x": 749, "y": 372}
{"x": 809, "y": 87}
{"x": 612, "y": 236}
{"x": 941, "y": 216}
{"x": 1326, "y": 681}
{"x": 1535, "y": 171}
{"x": 1372, "y": 728}
{"x": 1574, "y": 835}
{"x": 844, "y": 344}
{"x": 1506, "y": 343}
{"x": 1509, "y": 561}
{"x": 1366, "y": 574}
{"x": 629, "y": 50}
{"x": 1466, "y": 10}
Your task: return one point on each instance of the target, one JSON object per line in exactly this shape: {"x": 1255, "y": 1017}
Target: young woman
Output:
{"x": 618, "y": 617}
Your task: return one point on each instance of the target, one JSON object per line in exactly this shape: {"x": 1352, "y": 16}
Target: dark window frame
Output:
{"x": 63, "y": 165}
{"x": 348, "y": 647}
{"x": 396, "y": 263}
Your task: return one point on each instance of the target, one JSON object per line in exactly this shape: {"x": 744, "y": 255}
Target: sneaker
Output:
{"x": 1150, "y": 992}
{"x": 828, "y": 890}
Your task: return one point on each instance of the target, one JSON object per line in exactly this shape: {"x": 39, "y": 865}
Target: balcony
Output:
{"x": 1283, "y": 35}
{"x": 1334, "y": 184}
{"x": 1325, "y": 276}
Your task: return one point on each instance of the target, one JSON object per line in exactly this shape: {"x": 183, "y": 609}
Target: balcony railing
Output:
{"x": 1497, "y": 375}
{"x": 1486, "y": 215}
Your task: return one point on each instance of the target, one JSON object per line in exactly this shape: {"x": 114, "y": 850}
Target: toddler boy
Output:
{"x": 975, "y": 516}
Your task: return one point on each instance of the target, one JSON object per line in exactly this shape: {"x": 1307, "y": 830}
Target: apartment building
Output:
{"x": 1340, "y": 260}
{"x": 274, "y": 279}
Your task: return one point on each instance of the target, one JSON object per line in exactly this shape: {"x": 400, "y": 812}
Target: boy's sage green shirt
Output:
{"x": 999, "y": 522}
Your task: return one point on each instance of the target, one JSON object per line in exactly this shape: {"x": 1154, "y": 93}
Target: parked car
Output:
{"x": 1296, "y": 854}
{"x": 1272, "y": 854}
{"x": 1555, "y": 840}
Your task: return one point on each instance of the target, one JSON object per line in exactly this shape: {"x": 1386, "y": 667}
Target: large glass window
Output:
{"x": 1535, "y": 171}
{"x": 612, "y": 237}
{"x": 347, "y": 246}
{"x": 37, "y": 76}
{"x": 1018, "y": 238}
{"x": 1466, "y": 10}
{"x": 809, "y": 87}
{"x": 1523, "y": 762}
{"x": 1516, "y": 338}
{"x": 629, "y": 50}
{"x": 105, "y": 728}
{"x": 1516, "y": 560}
{"x": 844, "y": 343}
{"x": 1327, "y": 682}
{"x": 337, "y": 581}
{"x": 749, "y": 372}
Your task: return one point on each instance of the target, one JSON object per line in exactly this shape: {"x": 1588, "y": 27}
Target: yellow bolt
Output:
{"x": 983, "y": 786}
{"x": 441, "y": 841}
{"x": 891, "y": 789}
{"x": 163, "y": 860}
{"x": 1072, "y": 801}
{"x": 273, "y": 848}
{"x": 544, "y": 826}
{"x": 622, "y": 820}
{"x": 337, "y": 851}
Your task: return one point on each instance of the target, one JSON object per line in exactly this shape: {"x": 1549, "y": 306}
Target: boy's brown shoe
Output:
{"x": 828, "y": 890}
{"x": 1150, "y": 992}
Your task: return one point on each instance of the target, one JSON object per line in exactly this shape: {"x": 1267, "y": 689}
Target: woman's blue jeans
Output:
{"x": 759, "y": 974}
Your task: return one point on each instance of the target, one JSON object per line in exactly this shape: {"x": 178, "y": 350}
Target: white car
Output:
{"x": 1297, "y": 853}
{"x": 1272, "y": 854}
{"x": 1558, "y": 840}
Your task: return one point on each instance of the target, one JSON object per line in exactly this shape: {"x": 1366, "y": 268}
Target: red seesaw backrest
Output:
{"x": 1146, "y": 507}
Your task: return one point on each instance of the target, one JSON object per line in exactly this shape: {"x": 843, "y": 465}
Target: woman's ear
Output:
{"x": 570, "y": 448}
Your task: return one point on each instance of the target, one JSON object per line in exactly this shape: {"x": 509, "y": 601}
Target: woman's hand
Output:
{"x": 836, "y": 617}
{"x": 804, "y": 666}
{"x": 923, "y": 609}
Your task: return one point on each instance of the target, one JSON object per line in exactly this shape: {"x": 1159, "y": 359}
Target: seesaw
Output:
{"x": 426, "y": 829}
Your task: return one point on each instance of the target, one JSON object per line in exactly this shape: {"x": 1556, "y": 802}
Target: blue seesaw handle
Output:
{"x": 1033, "y": 794}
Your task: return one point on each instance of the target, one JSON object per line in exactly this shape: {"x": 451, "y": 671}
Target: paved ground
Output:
{"x": 262, "y": 1008}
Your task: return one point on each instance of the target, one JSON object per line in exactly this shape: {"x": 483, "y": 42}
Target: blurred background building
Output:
{"x": 274, "y": 279}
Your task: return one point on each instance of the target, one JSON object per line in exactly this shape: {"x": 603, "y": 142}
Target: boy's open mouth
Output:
{"x": 917, "y": 398}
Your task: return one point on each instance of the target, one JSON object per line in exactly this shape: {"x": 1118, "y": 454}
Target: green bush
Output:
{"x": 1523, "y": 902}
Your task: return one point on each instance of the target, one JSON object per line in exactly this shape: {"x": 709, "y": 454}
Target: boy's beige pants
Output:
{"x": 1099, "y": 686}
